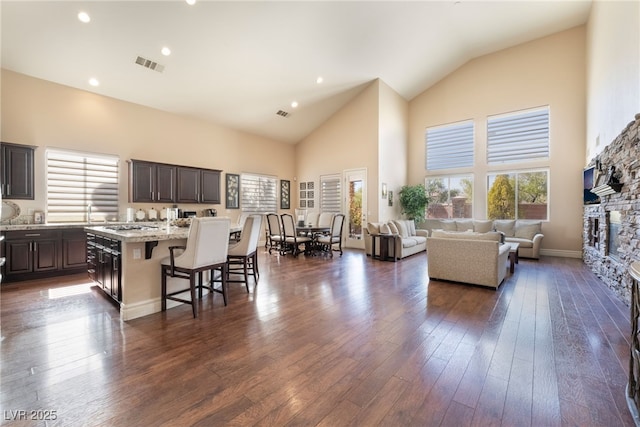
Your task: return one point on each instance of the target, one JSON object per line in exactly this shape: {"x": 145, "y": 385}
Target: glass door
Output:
{"x": 356, "y": 207}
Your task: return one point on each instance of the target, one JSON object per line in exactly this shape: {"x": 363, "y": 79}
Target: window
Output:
{"x": 330, "y": 198}
{"x": 449, "y": 146}
{"x": 450, "y": 196}
{"x": 258, "y": 193}
{"x": 519, "y": 137}
{"x": 518, "y": 195}
{"x": 76, "y": 181}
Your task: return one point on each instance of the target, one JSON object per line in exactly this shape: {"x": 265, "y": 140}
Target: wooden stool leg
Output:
{"x": 192, "y": 285}
{"x": 164, "y": 287}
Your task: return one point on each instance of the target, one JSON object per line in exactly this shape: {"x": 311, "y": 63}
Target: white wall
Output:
{"x": 548, "y": 71}
{"x": 613, "y": 71}
{"x": 45, "y": 114}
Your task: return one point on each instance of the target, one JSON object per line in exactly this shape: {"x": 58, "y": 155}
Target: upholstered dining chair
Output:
{"x": 242, "y": 258}
{"x": 325, "y": 220}
{"x": 206, "y": 250}
{"x": 292, "y": 241}
{"x": 334, "y": 237}
{"x": 274, "y": 232}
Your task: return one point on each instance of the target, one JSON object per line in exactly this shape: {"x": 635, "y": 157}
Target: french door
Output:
{"x": 355, "y": 202}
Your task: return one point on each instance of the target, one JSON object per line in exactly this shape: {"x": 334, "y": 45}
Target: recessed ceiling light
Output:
{"x": 294, "y": 104}
{"x": 94, "y": 82}
{"x": 166, "y": 51}
{"x": 84, "y": 17}
{"x": 319, "y": 80}
{"x": 191, "y": 2}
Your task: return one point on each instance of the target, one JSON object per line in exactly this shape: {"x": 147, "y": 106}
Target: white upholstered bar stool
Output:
{"x": 243, "y": 256}
{"x": 206, "y": 250}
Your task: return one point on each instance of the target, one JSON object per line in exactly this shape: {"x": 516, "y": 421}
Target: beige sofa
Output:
{"x": 408, "y": 240}
{"x": 468, "y": 257}
{"x": 528, "y": 233}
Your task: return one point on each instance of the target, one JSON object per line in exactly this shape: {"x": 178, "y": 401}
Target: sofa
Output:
{"x": 467, "y": 257}
{"x": 528, "y": 233}
{"x": 408, "y": 240}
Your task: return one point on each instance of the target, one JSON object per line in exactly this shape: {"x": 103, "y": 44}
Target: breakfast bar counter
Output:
{"x": 141, "y": 250}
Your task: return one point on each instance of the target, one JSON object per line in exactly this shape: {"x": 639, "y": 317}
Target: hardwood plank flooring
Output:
{"x": 348, "y": 341}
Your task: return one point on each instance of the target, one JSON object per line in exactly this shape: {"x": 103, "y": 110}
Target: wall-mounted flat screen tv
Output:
{"x": 589, "y": 178}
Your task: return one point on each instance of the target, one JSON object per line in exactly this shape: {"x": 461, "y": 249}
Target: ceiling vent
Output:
{"x": 282, "y": 113}
{"x": 147, "y": 63}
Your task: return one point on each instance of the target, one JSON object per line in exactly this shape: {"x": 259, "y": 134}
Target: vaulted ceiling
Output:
{"x": 239, "y": 63}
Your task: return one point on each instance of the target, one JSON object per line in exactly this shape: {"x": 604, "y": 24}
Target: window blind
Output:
{"x": 518, "y": 137}
{"x": 77, "y": 180}
{"x": 330, "y": 195}
{"x": 449, "y": 146}
{"x": 258, "y": 193}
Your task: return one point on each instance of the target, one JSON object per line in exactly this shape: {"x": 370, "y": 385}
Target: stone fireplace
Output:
{"x": 611, "y": 229}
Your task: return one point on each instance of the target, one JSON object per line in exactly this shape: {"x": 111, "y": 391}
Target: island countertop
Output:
{"x": 148, "y": 233}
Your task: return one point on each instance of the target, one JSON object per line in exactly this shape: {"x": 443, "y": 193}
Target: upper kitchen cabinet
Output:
{"x": 158, "y": 182}
{"x": 16, "y": 171}
{"x": 151, "y": 182}
{"x": 198, "y": 185}
{"x": 210, "y": 186}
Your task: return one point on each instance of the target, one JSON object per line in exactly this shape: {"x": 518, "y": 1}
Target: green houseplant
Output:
{"x": 413, "y": 201}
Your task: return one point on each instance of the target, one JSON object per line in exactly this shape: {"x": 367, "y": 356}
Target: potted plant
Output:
{"x": 413, "y": 201}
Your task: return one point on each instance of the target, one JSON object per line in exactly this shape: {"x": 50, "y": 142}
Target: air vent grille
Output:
{"x": 147, "y": 63}
{"x": 282, "y": 113}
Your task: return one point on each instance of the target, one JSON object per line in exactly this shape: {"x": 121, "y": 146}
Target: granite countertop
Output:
{"x": 63, "y": 225}
{"x": 145, "y": 235}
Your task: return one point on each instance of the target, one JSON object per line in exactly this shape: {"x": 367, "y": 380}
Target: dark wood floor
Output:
{"x": 331, "y": 342}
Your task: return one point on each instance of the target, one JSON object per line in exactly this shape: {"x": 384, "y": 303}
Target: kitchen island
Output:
{"x": 139, "y": 249}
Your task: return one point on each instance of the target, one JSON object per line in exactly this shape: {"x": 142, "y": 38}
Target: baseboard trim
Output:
{"x": 144, "y": 308}
{"x": 561, "y": 253}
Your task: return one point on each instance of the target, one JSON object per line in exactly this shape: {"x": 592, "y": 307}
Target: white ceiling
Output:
{"x": 237, "y": 63}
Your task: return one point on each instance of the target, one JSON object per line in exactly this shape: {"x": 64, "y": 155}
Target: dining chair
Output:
{"x": 206, "y": 250}
{"x": 325, "y": 219}
{"x": 242, "y": 258}
{"x": 274, "y": 233}
{"x": 334, "y": 237}
{"x": 291, "y": 241}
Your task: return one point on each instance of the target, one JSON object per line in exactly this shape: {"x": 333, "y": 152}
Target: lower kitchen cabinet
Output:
{"x": 104, "y": 259}
{"x": 34, "y": 254}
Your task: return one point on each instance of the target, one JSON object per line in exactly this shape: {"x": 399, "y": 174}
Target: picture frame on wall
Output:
{"x": 390, "y": 197}
{"x": 285, "y": 194}
{"x": 232, "y": 193}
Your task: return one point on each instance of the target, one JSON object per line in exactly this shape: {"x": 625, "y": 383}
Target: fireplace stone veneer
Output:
{"x": 624, "y": 154}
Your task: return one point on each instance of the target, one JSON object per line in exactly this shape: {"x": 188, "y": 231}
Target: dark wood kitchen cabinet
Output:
{"x": 74, "y": 249}
{"x": 151, "y": 182}
{"x": 158, "y": 182}
{"x": 34, "y": 254}
{"x": 104, "y": 259}
{"x": 210, "y": 186}
{"x": 30, "y": 254}
{"x": 16, "y": 171}
{"x": 188, "y": 185}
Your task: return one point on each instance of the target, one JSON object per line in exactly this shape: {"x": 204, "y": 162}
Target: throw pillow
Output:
{"x": 402, "y": 228}
{"x": 507, "y": 226}
{"x": 448, "y": 225}
{"x": 527, "y": 230}
{"x": 392, "y": 227}
{"x": 384, "y": 229}
{"x": 411, "y": 227}
{"x": 373, "y": 228}
{"x": 464, "y": 224}
{"x": 482, "y": 226}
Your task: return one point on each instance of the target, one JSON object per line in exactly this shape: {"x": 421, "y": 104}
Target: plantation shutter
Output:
{"x": 258, "y": 193}
{"x": 77, "y": 180}
{"x": 330, "y": 193}
{"x": 518, "y": 137}
{"x": 450, "y": 146}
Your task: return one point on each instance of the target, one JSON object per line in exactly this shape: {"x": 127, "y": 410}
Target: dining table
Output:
{"x": 312, "y": 231}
